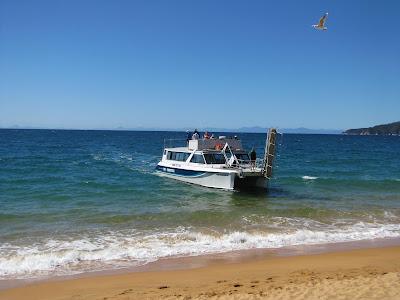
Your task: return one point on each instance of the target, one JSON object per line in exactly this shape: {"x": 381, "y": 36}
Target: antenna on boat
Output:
{"x": 269, "y": 153}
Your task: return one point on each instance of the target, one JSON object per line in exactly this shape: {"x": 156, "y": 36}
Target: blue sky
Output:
{"x": 105, "y": 64}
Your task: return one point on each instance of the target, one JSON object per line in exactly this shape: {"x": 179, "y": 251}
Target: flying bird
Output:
{"x": 321, "y": 23}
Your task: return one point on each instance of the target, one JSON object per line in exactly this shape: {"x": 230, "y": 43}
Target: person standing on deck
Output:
{"x": 253, "y": 156}
{"x": 195, "y": 135}
{"x": 188, "y": 136}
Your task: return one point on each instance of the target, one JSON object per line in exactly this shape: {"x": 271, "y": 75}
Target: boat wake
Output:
{"x": 141, "y": 162}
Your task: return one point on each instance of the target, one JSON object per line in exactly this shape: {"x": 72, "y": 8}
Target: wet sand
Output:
{"x": 351, "y": 274}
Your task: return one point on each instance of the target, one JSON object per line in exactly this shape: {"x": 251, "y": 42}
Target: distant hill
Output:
{"x": 385, "y": 129}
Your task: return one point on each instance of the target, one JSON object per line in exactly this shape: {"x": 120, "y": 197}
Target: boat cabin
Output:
{"x": 207, "y": 151}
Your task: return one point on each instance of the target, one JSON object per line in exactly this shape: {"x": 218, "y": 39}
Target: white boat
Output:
{"x": 218, "y": 163}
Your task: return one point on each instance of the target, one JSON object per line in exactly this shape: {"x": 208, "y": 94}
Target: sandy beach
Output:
{"x": 352, "y": 274}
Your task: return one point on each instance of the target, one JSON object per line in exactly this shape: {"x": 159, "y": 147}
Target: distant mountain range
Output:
{"x": 385, "y": 129}
{"x": 291, "y": 130}
{"x": 254, "y": 129}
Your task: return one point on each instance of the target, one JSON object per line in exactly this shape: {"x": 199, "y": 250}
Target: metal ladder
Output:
{"x": 269, "y": 153}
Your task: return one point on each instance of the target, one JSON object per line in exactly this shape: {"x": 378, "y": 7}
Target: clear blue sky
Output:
{"x": 104, "y": 64}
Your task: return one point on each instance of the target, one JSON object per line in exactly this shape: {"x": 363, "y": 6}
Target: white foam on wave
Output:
{"x": 309, "y": 177}
{"x": 129, "y": 248}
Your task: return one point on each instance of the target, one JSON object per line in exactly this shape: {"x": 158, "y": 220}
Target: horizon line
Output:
{"x": 252, "y": 129}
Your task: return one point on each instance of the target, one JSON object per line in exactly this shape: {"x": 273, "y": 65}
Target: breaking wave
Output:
{"x": 123, "y": 249}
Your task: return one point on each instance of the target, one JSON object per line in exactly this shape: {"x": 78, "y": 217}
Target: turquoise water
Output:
{"x": 75, "y": 201}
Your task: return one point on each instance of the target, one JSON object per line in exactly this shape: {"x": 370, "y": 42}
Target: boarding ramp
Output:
{"x": 269, "y": 155}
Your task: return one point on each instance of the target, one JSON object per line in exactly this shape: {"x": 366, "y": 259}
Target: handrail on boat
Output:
{"x": 248, "y": 164}
{"x": 168, "y": 143}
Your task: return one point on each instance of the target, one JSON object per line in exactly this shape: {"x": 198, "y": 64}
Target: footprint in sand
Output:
{"x": 126, "y": 292}
{"x": 221, "y": 281}
{"x": 163, "y": 287}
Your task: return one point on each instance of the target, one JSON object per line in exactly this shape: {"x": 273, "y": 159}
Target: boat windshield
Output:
{"x": 214, "y": 158}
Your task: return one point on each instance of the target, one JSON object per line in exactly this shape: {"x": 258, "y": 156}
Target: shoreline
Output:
{"x": 385, "y": 252}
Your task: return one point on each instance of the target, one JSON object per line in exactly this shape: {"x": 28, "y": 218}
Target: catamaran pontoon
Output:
{"x": 218, "y": 163}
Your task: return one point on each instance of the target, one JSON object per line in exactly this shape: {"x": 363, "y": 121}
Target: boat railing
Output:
{"x": 248, "y": 164}
{"x": 173, "y": 143}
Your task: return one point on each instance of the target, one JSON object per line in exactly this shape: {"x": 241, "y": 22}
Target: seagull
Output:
{"x": 321, "y": 24}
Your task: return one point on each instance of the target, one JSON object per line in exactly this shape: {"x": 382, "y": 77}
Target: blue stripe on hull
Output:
{"x": 180, "y": 172}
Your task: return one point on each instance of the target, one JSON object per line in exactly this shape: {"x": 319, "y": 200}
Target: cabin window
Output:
{"x": 197, "y": 158}
{"x": 179, "y": 156}
{"x": 214, "y": 158}
{"x": 169, "y": 156}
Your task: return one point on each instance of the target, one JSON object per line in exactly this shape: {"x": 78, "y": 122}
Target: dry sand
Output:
{"x": 355, "y": 274}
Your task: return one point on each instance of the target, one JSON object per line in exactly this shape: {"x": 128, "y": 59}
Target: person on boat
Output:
{"x": 253, "y": 156}
{"x": 195, "y": 135}
{"x": 206, "y": 135}
{"x": 188, "y": 136}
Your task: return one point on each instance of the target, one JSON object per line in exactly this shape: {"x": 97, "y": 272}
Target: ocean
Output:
{"x": 74, "y": 201}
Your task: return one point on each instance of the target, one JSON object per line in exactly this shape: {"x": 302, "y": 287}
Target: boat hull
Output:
{"x": 227, "y": 180}
{"x": 212, "y": 179}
